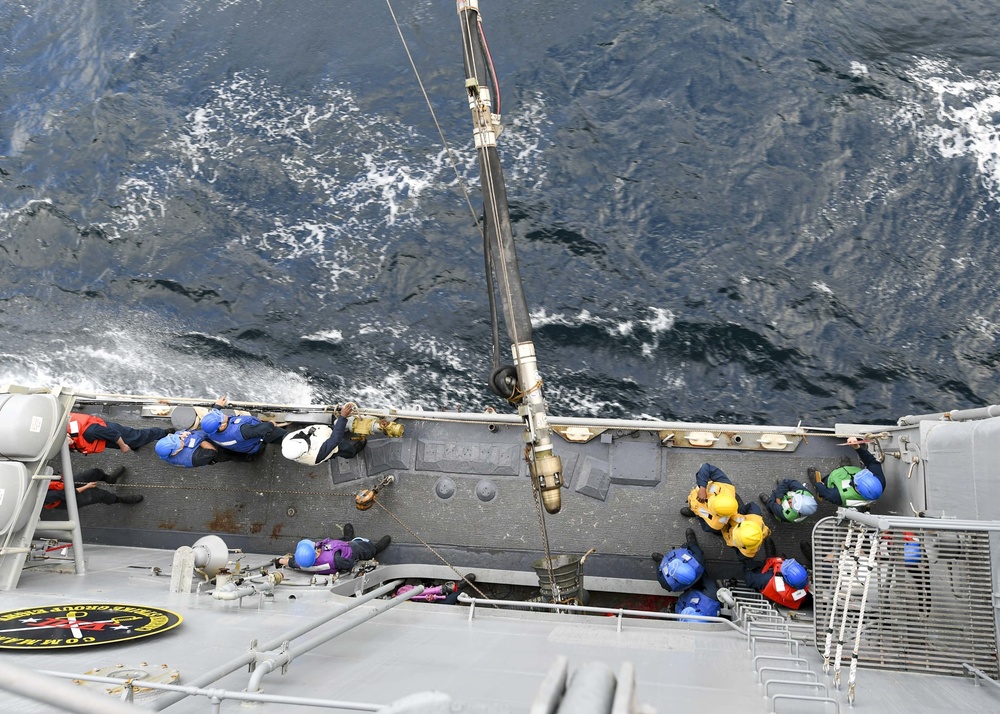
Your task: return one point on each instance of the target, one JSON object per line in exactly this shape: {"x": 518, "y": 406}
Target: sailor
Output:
{"x": 88, "y": 494}
{"x": 746, "y": 530}
{"x": 89, "y": 434}
{"x": 791, "y": 501}
{"x": 852, "y": 486}
{"x": 713, "y": 500}
{"x": 781, "y": 580}
{"x": 190, "y": 449}
{"x": 697, "y": 602}
{"x": 682, "y": 568}
{"x": 242, "y": 433}
{"x": 318, "y": 443}
{"x": 333, "y": 555}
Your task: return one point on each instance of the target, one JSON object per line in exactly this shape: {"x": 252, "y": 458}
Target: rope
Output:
{"x": 854, "y": 561}
{"x": 861, "y": 617}
{"x": 447, "y": 148}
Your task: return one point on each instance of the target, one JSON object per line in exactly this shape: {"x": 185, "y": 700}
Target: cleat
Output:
{"x": 348, "y": 531}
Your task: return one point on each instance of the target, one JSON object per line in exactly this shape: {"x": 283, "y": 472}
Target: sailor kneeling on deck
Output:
{"x": 781, "y": 580}
{"x": 243, "y": 433}
{"x": 316, "y": 444}
{"x": 713, "y": 499}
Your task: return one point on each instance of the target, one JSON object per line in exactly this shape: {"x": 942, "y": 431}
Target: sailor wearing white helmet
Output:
{"x": 318, "y": 443}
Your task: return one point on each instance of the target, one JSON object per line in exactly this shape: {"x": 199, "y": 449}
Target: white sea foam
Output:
{"x": 964, "y": 122}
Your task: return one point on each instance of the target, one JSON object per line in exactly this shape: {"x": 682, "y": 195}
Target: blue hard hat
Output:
{"x": 689, "y": 611}
{"x": 212, "y": 421}
{"x": 867, "y": 485}
{"x": 793, "y": 573}
{"x": 305, "y": 553}
{"x": 684, "y": 573}
{"x": 167, "y": 445}
{"x": 804, "y": 504}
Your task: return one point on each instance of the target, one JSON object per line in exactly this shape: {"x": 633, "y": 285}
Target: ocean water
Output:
{"x": 776, "y": 211}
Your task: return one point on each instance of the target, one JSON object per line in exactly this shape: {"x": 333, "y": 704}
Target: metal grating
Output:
{"x": 930, "y": 599}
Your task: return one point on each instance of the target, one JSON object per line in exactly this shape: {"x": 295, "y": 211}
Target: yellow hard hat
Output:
{"x": 723, "y": 504}
{"x": 747, "y": 534}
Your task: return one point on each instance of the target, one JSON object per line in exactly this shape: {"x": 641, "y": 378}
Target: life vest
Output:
{"x": 686, "y": 556}
{"x": 789, "y": 513}
{"x": 727, "y": 532}
{"x": 714, "y": 520}
{"x": 777, "y": 590}
{"x": 78, "y": 424}
{"x": 231, "y": 438}
{"x": 329, "y": 549}
{"x": 185, "y": 457}
{"x": 703, "y": 604}
{"x": 840, "y": 479}
{"x": 55, "y": 486}
{"x": 316, "y": 436}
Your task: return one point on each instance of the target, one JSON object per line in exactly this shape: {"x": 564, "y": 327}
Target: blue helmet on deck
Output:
{"x": 305, "y": 553}
{"x": 683, "y": 572}
{"x": 211, "y": 422}
{"x": 167, "y": 445}
{"x": 794, "y": 573}
{"x": 867, "y": 485}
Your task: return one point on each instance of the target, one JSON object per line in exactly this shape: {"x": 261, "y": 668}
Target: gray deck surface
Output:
{"x": 494, "y": 663}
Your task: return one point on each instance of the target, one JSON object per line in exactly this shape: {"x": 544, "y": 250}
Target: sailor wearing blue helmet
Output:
{"x": 852, "y": 486}
{"x": 241, "y": 433}
{"x": 189, "y": 449}
{"x": 681, "y": 568}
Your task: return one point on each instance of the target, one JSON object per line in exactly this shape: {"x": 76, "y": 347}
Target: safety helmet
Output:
{"x": 724, "y": 504}
{"x": 689, "y": 611}
{"x": 747, "y": 534}
{"x": 867, "y": 485}
{"x": 167, "y": 445}
{"x": 802, "y": 503}
{"x": 305, "y": 553}
{"x": 684, "y": 573}
{"x": 212, "y": 421}
{"x": 292, "y": 447}
{"x": 793, "y": 573}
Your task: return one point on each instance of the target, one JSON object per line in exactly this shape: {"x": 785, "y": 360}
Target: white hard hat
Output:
{"x": 292, "y": 447}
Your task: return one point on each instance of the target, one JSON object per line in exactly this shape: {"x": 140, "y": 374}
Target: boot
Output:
{"x": 813, "y": 475}
{"x": 115, "y": 475}
{"x": 687, "y": 512}
{"x": 690, "y": 537}
{"x": 807, "y": 551}
{"x": 130, "y": 500}
{"x": 382, "y": 544}
{"x": 657, "y": 557}
{"x": 348, "y": 531}
{"x": 765, "y": 499}
{"x": 770, "y": 549}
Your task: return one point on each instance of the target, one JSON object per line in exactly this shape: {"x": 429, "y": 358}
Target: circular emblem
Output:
{"x": 42, "y": 628}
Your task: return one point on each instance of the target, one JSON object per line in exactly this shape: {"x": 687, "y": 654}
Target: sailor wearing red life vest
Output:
{"x": 89, "y": 434}
{"x": 781, "y": 580}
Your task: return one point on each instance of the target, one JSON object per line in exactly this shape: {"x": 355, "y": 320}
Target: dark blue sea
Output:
{"x": 743, "y": 211}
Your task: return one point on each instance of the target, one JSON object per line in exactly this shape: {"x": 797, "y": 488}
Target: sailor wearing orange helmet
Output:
{"x": 713, "y": 500}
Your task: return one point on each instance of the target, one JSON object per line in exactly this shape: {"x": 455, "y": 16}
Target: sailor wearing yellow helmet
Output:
{"x": 713, "y": 500}
{"x": 746, "y": 530}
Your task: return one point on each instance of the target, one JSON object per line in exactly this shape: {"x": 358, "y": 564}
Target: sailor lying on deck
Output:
{"x": 189, "y": 449}
{"x": 316, "y": 444}
{"x": 331, "y": 555}
{"x": 88, "y": 493}
{"x": 241, "y": 433}
{"x": 89, "y": 434}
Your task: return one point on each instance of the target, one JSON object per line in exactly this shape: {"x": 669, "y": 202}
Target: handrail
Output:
{"x": 804, "y": 698}
{"x": 978, "y": 674}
